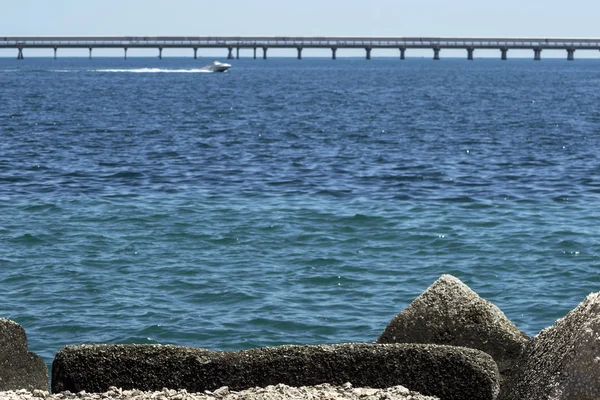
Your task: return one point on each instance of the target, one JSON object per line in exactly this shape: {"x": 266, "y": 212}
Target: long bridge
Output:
{"x": 231, "y": 43}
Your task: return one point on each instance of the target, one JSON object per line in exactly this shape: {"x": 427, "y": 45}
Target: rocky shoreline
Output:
{"x": 271, "y": 392}
{"x": 448, "y": 344}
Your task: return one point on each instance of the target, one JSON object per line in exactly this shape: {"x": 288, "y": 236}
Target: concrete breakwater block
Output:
{"x": 444, "y": 371}
{"x": 563, "y": 361}
{"x": 19, "y": 368}
{"x": 450, "y": 313}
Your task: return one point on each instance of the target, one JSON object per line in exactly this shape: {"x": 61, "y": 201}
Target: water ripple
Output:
{"x": 290, "y": 202}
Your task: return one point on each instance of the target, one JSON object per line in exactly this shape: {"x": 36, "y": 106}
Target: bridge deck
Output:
{"x": 294, "y": 42}
{"x": 300, "y": 43}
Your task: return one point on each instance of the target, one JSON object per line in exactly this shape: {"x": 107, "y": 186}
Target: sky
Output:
{"x": 504, "y": 18}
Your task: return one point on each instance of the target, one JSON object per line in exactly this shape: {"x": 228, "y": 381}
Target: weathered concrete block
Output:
{"x": 444, "y": 371}
{"x": 19, "y": 368}
{"x": 450, "y": 313}
{"x": 563, "y": 361}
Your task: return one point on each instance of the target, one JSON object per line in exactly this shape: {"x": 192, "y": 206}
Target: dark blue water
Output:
{"x": 286, "y": 201}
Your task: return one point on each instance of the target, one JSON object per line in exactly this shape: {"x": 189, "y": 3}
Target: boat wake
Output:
{"x": 155, "y": 70}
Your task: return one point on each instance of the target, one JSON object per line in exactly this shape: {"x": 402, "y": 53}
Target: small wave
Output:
{"x": 155, "y": 70}
{"x": 125, "y": 175}
{"x": 458, "y": 199}
{"x": 364, "y": 219}
{"x": 41, "y": 208}
{"x": 321, "y": 261}
{"x": 138, "y": 340}
{"x": 27, "y": 239}
{"x": 335, "y": 193}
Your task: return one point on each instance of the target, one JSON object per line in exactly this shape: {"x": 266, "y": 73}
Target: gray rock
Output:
{"x": 450, "y": 313}
{"x": 444, "y": 371}
{"x": 563, "y": 361}
{"x": 19, "y": 368}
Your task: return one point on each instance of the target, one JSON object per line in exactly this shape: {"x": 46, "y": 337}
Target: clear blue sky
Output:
{"x": 539, "y": 18}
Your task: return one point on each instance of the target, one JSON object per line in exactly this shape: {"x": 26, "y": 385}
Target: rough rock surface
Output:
{"x": 278, "y": 392}
{"x": 19, "y": 368}
{"x": 450, "y": 313}
{"x": 563, "y": 361}
{"x": 444, "y": 371}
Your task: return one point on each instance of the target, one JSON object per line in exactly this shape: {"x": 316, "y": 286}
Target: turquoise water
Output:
{"x": 286, "y": 201}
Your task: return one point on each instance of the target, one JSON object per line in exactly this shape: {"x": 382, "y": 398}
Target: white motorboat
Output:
{"x": 217, "y": 66}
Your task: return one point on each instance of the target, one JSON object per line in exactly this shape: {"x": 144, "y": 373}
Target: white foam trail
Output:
{"x": 154, "y": 70}
{"x": 37, "y": 70}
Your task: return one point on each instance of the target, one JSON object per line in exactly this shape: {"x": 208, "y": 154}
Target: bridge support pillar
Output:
{"x": 237, "y": 53}
{"x": 90, "y": 53}
{"x": 368, "y": 50}
{"x": 160, "y": 53}
{"x": 436, "y": 53}
{"x": 125, "y": 49}
{"x": 230, "y": 53}
{"x": 255, "y": 53}
{"x": 537, "y": 54}
{"x": 20, "y": 54}
{"x": 470, "y": 51}
{"x": 195, "y": 53}
{"x": 402, "y": 51}
{"x": 503, "y": 51}
{"x": 55, "y": 51}
{"x": 570, "y": 54}
{"x": 299, "y": 53}
{"x": 265, "y": 53}
{"x": 333, "y": 51}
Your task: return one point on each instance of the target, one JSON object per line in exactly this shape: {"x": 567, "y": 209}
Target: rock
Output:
{"x": 445, "y": 371}
{"x": 95, "y": 368}
{"x": 278, "y": 392}
{"x": 40, "y": 393}
{"x": 221, "y": 392}
{"x": 563, "y": 361}
{"x": 19, "y": 368}
{"x": 450, "y": 313}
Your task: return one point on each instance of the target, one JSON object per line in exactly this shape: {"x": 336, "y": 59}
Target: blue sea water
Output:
{"x": 290, "y": 202}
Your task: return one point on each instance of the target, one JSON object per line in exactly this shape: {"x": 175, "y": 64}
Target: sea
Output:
{"x": 290, "y": 201}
